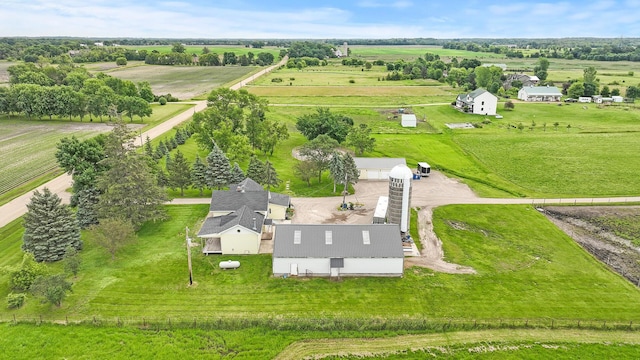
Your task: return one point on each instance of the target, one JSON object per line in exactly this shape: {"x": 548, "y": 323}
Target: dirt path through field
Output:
{"x": 18, "y": 206}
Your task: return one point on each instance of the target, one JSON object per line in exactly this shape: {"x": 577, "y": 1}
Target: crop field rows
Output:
{"x": 28, "y": 154}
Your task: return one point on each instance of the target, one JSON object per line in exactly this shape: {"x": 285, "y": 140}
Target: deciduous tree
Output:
{"x": 360, "y": 138}
{"x": 112, "y": 234}
{"x": 53, "y": 289}
{"x": 323, "y": 121}
{"x": 319, "y": 152}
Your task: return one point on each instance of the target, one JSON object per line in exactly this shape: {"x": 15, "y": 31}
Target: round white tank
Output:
{"x": 229, "y": 264}
{"x": 400, "y": 196}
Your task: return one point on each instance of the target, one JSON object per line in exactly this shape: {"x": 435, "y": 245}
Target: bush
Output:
{"x": 162, "y": 100}
{"x": 121, "y": 61}
{"x": 352, "y": 81}
{"x": 292, "y": 78}
{"x": 22, "y": 278}
{"x": 276, "y": 80}
{"x": 15, "y": 301}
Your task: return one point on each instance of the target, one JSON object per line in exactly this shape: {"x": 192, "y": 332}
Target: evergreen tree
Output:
{"x": 351, "y": 173}
{"x": 49, "y": 227}
{"x": 179, "y": 172}
{"x": 148, "y": 148}
{"x": 180, "y": 136}
{"x": 218, "y": 168}
{"x": 256, "y": 170}
{"x": 87, "y": 201}
{"x": 129, "y": 188}
{"x": 336, "y": 169}
{"x": 271, "y": 177}
{"x": 173, "y": 142}
{"x": 199, "y": 175}
{"x": 237, "y": 175}
{"x": 161, "y": 150}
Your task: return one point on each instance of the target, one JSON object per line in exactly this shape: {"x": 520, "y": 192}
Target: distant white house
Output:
{"x": 376, "y": 168}
{"x": 479, "y": 101}
{"x": 617, "y": 99}
{"x": 409, "y": 120}
{"x": 539, "y": 93}
{"x": 584, "y": 99}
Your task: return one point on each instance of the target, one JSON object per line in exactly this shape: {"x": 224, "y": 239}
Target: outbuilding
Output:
{"x": 376, "y": 168}
{"x": 338, "y": 250}
{"x": 409, "y": 120}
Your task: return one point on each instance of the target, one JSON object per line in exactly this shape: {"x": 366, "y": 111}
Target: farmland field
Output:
{"x": 197, "y": 49}
{"x": 183, "y": 82}
{"x": 28, "y": 146}
{"x": 4, "y": 75}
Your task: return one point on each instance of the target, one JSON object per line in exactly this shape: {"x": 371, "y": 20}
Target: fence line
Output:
{"x": 330, "y": 324}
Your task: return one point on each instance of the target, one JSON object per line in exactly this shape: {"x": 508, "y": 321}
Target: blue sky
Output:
{"x": 320, "y": 19}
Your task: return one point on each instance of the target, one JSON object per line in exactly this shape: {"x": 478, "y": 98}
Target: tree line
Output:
{"x": 68, "y": 91}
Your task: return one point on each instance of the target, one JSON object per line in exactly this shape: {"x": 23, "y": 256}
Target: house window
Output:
{"x": 482, "y": 103}
{"x": 481, "y": 109}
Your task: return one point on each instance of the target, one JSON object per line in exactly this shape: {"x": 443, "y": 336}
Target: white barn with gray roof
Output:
{"x": 376, "y": 168}
{"x": 338, "y": 250}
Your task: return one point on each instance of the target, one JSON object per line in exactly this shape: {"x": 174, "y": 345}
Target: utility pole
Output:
{"x": 189, "y": 256}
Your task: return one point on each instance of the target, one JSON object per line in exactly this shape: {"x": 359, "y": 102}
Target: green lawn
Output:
{"x": 74, "y": 341}
{"x": 527, "y": 269}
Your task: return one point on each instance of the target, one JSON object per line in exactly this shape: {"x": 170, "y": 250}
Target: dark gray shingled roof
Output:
{"x": 230, "y": 200}
{"x": 347, "y": 241}
{"x": 243, "y": 217}
{"x": 279, "y": 199}
{"x": 246, "y": 193}
{"x": 247, "y": 185}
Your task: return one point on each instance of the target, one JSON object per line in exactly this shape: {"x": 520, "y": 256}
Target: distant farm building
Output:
{"x": 338, "y": 250}
{"x": 501, "y": 66}
{"x": 539, "y": 93}
{"x": 526, "y": 80}
{"x": 376, "y": 168}
{"x": 409, "y": 120}
{"x": 479, "y": 101}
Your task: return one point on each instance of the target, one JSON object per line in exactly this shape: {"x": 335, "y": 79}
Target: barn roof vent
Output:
{"x": 297, "y": 237}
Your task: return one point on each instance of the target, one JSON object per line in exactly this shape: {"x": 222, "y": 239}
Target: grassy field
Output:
{"x": 56, "y": 341}
{"x": 527, "y": 269}
{"x": 28, "y": 146}
{"x": 183, "y": 82}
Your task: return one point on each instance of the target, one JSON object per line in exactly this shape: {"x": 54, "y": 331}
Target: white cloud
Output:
{"x": 380, "y": 4}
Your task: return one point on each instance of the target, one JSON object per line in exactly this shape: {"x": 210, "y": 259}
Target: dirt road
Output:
{"x": 18, "y": 206}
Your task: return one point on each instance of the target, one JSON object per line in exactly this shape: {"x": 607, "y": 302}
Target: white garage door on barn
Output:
{"x": 376, "y": 168}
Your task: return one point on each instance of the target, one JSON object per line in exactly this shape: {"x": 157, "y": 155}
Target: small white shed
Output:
{"x": 376, "y": 168}
{"x": 338, "y": 250}
{"x": 409, "y": 120}
{"x": 380, "y": 214}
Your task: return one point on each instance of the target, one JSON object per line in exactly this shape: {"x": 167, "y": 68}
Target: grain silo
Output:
{"x": 400, "y": 196}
